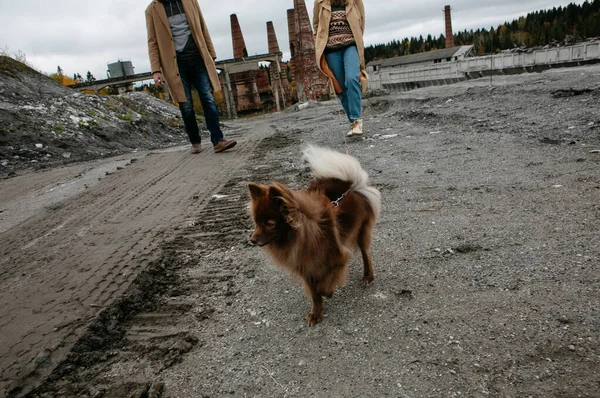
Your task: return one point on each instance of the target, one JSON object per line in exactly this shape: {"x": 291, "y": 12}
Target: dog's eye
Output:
{"x": 270, "y": 224}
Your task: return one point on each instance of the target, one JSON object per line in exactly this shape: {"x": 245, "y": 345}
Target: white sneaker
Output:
{"x": 356, "y": 129}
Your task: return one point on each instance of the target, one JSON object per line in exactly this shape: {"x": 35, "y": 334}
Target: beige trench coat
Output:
{"x": 161, "y": 47}
{"x": 355, "y": 14}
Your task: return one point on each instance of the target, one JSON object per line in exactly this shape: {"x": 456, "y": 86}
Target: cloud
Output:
{"x": 82, "y": 35}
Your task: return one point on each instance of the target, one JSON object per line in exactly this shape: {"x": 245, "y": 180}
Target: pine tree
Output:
{"x": 537, "y": 28}
{"x": 59, "y": 75}
{"x": 90, "y": 78}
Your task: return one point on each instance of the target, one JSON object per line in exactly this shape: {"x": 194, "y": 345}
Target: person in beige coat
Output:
{"x": 182, "y": 55}
{"x": 339, "y": 26}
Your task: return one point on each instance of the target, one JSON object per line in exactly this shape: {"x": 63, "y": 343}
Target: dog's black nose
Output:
{"x": 253, "y": 240}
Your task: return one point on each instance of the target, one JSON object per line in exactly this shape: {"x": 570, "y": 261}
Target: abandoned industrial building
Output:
{"x": 265, "y": 82}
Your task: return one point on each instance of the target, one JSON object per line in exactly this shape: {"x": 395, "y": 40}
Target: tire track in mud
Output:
{"x": 56, "y": 282}
{"x": 158, "y": 318}
{"x": 126, "y": 197}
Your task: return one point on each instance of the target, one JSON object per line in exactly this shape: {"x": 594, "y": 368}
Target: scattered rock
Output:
{"x": 155, "y": 390}
{"x": 405, "y": 293}
{"x": 380, "y": 92}
{"x": 564, "y": 320}
{"x": 571, "y": 92}
{"x": 467, "y": 248}
{"x": 550, "y": 141}
{"x": 182, "y": 346}
{"x": 45, "y": 114}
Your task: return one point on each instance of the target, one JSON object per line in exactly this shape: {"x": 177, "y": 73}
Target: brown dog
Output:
{"x": 312, "y": 232}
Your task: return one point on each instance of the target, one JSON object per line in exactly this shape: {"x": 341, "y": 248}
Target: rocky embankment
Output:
{"x": 44, "y": 124}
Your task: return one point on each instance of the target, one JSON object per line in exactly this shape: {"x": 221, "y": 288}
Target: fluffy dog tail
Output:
{"x": 326, "y": 163}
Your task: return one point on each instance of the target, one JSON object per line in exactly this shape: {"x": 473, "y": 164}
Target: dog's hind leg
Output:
{"x": 364, "y": 243}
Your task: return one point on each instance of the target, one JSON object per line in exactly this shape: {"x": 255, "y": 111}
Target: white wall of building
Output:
{"x": 457, "y": 70}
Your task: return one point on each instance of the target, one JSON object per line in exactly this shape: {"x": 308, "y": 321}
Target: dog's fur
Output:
{"x": 307, "y": 234}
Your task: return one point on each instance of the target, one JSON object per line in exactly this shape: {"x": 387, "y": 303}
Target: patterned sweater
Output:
{"x": 340, "y": 33}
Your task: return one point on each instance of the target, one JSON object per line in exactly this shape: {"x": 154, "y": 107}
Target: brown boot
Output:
{"x": 196, "y": 148}
{"x": 224, "y": 145}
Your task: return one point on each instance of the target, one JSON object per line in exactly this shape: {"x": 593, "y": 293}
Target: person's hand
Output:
{"x": 158, "y": 79}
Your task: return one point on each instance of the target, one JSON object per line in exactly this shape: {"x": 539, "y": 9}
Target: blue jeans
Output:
{"x": 193, "y": 72}
{"x": 345, "y": 65}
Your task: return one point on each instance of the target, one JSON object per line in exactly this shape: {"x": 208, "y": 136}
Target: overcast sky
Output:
{"x": 82, "y": 35}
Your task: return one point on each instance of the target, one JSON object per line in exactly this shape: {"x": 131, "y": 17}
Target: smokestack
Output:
{"x": 239, "y": 46}
{"x": 449, "y": 36}
{"x": 304, "y": 32}
{"x": 292, "y": 31}
{"x": 272, "y": 38}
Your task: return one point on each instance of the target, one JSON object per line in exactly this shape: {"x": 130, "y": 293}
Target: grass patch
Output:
{"x": 175, "y": 122}
{"x": 86, "y": 124}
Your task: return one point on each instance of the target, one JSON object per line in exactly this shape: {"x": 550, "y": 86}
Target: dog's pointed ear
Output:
{"x": 256, "y": 191}
{"x": 282, "y": 195}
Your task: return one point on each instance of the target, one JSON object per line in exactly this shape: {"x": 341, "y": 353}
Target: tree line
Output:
{"x": 538, "y": 28}
{"x": 65, "y": 80}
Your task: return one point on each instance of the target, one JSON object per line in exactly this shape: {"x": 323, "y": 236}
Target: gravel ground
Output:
{"x": 486, "y": 262}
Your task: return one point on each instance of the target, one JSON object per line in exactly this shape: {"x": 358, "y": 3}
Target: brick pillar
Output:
{"x": 449, "y": 35}
{"x": 304, "y": 33}
{"x": 291, "y": 19}
{"x": 279, "y": 89}
{"x": 239, "y": 46}
{"x": 244, "y": 88}
{"x": 292, "y": 40}
{"x": 300, "y": 13}
{"x": 309, "y": 81}
{"x": 272, "y": 38}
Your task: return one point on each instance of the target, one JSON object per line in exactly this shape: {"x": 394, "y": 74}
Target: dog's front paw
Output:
{"x": 367, "y": 279}
{"x": 313, "y": 319}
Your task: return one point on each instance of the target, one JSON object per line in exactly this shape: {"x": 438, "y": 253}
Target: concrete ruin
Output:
{"x": 252, "y": 88}
{"x": 245, "y": 88}
{"x": 454, "y": 64}
{"x": 248, "y": 85}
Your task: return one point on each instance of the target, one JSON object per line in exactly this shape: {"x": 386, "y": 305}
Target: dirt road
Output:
{"x": 66, "y": 260}
{"x": 486, "y": 261}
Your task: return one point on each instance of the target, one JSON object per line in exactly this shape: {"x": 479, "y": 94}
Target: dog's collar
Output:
{"x": 336, "y": 202}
